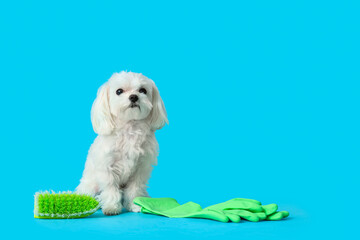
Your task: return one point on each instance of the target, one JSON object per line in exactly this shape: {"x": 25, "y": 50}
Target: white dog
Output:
{"x": 125, "y": 115}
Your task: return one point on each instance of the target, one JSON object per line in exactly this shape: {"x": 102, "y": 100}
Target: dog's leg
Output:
{"x": 136, "y": 187}
{"x": 110, "y": 196}
{"x": 110, "y": 199}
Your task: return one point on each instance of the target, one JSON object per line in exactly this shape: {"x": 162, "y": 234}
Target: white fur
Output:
{"x": 120, "y": 160}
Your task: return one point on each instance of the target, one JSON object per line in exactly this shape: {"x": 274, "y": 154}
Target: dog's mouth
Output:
{"x": 134, "y": 105}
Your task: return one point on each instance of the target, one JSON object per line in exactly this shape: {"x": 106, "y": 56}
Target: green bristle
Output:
{"x": 64, "y": 205}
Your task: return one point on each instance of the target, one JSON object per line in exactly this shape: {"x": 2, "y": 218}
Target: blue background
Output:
{"x": 262, "y": 99}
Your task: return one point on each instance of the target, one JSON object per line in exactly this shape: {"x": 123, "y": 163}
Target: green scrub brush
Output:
{"x": 64, "y": 205}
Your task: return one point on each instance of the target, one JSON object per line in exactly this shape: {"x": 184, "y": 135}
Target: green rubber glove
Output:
{"x": 248, "y": 209}
{"x": 169, "y": 207}
{"x": 232, "y": 210}
{"x": 238, "y": 208}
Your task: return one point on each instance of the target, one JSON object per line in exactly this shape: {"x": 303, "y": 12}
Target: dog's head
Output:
{"x": 127, "y": 96}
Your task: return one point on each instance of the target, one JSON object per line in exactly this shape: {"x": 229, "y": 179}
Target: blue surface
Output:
{"x": 262, "y": 98}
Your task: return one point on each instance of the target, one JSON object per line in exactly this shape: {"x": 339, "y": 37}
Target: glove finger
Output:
{"x": 270, "y": 209}
{"x": 261, "y": 215}
{"x": 247, "y": 215}
{"x": 278, "y": 216}
{"x": 209, "y": 214}
{"x": 233, "y": 217}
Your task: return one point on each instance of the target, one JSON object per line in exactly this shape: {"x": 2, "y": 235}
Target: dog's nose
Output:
{"x": 133, "y": 98}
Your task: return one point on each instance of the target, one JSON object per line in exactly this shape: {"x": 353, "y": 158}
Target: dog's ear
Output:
{"x": 158, "y": 115}
{"x": 101, "y": 118}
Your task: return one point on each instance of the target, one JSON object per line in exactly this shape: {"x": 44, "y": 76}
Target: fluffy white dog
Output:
{"x": 125, "y": 115}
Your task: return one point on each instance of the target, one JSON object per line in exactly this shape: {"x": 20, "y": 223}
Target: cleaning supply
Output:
{"x": 169, "y": 207}
{"x": 233, "y": 210}
{"x": 64, "y": 205}
{"x": 249, "y": 209}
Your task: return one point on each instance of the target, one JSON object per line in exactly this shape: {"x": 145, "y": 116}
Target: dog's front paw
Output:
{"x": 110, "y": 211}
{"x": 133, "y": 208}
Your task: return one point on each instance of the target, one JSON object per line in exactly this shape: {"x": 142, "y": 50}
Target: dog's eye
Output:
{"x": 142, "y": 90}
{"x": 119, "y": 91}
